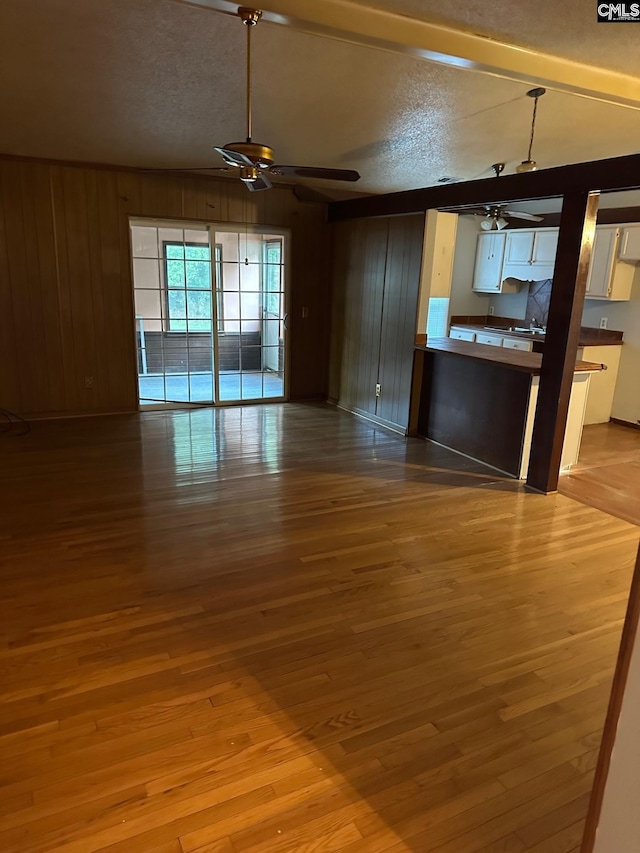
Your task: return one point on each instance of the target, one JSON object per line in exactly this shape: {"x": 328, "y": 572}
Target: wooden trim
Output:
{"x": 616, "y": 173}
{"x": 627, "y": 424}
{"x": 577, "y": 230}
{"x": 627, "y": 643}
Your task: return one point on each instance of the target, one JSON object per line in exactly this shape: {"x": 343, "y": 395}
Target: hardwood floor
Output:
{"x": 607, "y": 475}
{"x": 279, "y": 628}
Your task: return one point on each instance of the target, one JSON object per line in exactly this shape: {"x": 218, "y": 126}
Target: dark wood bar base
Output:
{"x": 475, "y": 407}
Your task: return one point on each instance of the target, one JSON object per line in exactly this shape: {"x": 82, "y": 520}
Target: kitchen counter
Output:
{"x": 481, "y": 400}
{"x": 588, "y": 337}
{"x": 528, "y": 362}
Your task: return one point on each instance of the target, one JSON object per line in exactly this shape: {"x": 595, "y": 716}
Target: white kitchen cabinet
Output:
{"x": 530, "y": 253}
{"x": 492, "y": 340}
{"x": 630, "y": 243}
{"x": 462, "y": 334}
{"x": 603, "y": 384}
{"x": 608, "y": 278}
{"x": 517, "y": 343}
{"x": 487, "y": 274}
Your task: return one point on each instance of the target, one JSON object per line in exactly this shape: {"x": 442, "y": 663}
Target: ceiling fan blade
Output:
{"x": 519, "y": 214}
{"x": 316, "y": 172}
{"x": 261, "y": 183}
{"x": 464, "y": 211}
{"x": 234, "y": 158}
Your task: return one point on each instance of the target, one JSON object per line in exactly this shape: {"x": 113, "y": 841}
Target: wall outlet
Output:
{"x": 603, "y": 322}
{"x": 378, "y": 389}
{"x": 491, "y": 310}
{"x": 88, "y": 381}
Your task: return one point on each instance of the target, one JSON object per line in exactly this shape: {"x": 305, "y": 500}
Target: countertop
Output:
{"x": 528, "y": 362}
{"x": 588, "y": 337}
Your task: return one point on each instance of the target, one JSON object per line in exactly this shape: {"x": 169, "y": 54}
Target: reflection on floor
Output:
{"x": 282, "y": 629}
{"x": 198, "y": 387}
{"x": 607, "y": 475}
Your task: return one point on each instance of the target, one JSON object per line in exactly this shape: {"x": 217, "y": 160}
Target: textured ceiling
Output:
{"x": 155, "y": 83}
{"x": 568, "y": 28}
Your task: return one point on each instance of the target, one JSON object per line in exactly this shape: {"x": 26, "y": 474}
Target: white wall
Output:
{"x": 511, "y": 304}
{"x": 463, "y": 299}
{"x": 619, "y": 827}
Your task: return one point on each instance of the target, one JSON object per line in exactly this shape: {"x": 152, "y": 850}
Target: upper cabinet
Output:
{"x": 630, "y": 243}
{"x": 608, "y": 277}
{"x": 487, "y": 275}
{"x": 530, "y": 253}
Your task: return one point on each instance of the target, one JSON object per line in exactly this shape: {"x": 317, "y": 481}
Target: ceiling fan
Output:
{"x": 253, "y": 161}
{"x": 496, "y": 216}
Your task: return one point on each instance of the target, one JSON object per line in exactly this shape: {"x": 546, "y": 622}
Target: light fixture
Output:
{"x": 493, "y": 221}
{"x": 530, "y": 165}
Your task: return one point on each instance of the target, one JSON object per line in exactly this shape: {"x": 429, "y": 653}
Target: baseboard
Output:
{"x": 628, "y": 424}
{"x": 367, "y": 416}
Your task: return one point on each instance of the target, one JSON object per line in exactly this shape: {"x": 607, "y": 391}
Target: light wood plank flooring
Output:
{"x": 282, "y": 629}
{"x": 607, "y": 475}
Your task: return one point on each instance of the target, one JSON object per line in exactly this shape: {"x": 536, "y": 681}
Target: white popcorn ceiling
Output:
{"x": 154, "y": 83}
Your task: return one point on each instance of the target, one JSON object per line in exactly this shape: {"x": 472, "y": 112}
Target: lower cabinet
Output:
{"x": 492, "y": 340}
{"x": 462, "y": 334}
{"x": 603, "y": 384}
{"x": 517, "y": 343}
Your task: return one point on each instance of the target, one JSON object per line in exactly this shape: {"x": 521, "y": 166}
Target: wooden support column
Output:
{"x": 577, "y": 230}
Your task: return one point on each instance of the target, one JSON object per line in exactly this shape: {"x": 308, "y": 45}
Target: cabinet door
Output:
{"x": 630, "y": 245}
{"x": 603, "y": 258}
{"x": 487, "y": 275}
{"x": 544, "y": 247}
{"x": 519, "y": 248}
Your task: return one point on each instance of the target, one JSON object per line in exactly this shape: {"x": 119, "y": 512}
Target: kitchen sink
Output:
{"x": 521, "y": 329}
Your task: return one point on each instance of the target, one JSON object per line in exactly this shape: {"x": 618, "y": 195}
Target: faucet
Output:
{"x": 534, "y": 324}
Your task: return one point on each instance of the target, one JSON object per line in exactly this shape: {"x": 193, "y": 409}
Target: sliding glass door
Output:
{"x": 210, "y": 314}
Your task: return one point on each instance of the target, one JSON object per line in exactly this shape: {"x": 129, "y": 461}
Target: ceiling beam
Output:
{"x": 616, "y": 173}
{"x": 375, "y": 28}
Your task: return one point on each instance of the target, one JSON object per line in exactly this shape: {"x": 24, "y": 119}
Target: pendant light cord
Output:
{"x": 533, "y": 126}
{"x": 249, "y": 28}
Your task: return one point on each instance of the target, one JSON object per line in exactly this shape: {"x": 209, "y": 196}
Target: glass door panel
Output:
{"x": 210, "y": 322}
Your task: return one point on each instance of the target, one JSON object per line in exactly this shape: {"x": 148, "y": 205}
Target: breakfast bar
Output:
{"x": 481, "y": 400}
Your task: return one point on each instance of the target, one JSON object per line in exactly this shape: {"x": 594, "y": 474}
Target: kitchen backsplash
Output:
{"x": 538, "y": 300}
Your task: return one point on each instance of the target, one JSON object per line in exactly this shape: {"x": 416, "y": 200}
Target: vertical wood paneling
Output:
{"x": 375, "y": 281}
{"x": 310, "y": 269}
{"x": 358, "y": 286}
{"x": 402, "y": 281}
{"x": 66, "y": 293}
{"x": 49, "y": 291}
{"x": 10, "y": 391}
{"x": 23, "y": 284}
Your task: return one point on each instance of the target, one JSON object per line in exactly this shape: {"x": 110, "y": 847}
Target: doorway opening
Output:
{"x": 210, "y": 313}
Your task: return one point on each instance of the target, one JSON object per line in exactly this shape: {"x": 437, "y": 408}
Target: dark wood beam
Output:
{"x": 617, "y": 173}
{"x": 575, "y": 242}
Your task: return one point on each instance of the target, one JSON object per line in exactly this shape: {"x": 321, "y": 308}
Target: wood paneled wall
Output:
{"x": 66, "y": 296}
{"x": 375, "y": 284}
